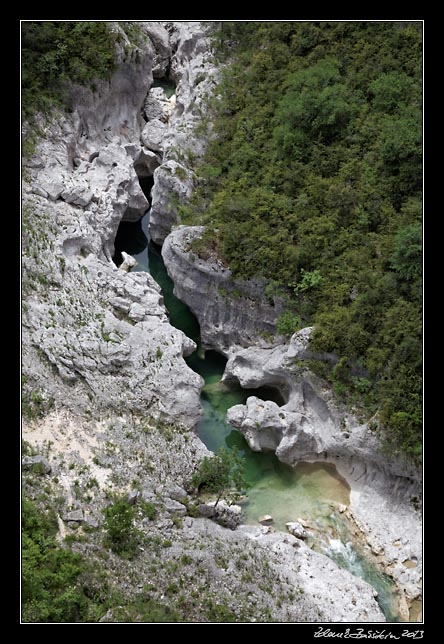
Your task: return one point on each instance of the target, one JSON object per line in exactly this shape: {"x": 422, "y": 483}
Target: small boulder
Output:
{"x": 177, "y": 493}
{"x": 297, "y": 530}
{"x": 92, "y": 522}
{"x": 75, "y": 516}
{"x": 267, "y": 529}
{"x": 132, "y": 497}
{"x": 226, "y": 515}
{"x": 38, "y": 190}
{"x": 53, "y": 189}
{"x": 128, "y": 262}
{"x": 38, "y": 463}
{"x": 174, "y": 507}
{"x": 266, "y": 519}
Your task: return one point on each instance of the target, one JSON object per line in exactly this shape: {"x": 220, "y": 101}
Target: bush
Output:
{"x": 407, "y": 258}
{"x": 57, "y": 53}
{"x": 221, "y": 473}
{"x": 121, "y": 535}
{"x": 149, "y": 509}
{"x": 288, "y": 323}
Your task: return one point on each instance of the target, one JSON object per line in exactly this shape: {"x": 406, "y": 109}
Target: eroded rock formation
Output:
{"x": 105, "y": 333}
{"x": 230, "y": 313}
{"x": 312, "y": 427}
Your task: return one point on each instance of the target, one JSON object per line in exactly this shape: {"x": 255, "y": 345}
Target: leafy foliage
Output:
{"x": 61, "y": 586}
{"x": 287, "y": 323}
{"x": 56, "y": 53}
{"x": 313, "y": 180}
{"x": 221, "y": 473}
{"x": 50, "y": 574}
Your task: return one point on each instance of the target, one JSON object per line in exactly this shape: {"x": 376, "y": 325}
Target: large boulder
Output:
{"x": 297, "y": 530}
{"x": 157, "y": 105}
{"x": 226, "y": 515}
{"x": 36, "y": 463}
{"x": 153, "y": 135}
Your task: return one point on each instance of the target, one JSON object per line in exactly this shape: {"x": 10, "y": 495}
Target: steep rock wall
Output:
{"x": 230, "y": 313}
{"x": 170, "y": 130}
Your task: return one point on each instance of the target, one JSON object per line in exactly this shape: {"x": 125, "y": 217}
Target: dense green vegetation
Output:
{"x": 59, "y": 585}
{"x": 121, "y": 536}
{"x": 50, "y": 574}
{"x": 313, "y": 180}
{"x": 57, "y": 53}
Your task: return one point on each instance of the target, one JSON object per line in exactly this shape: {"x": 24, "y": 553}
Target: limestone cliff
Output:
{"x": 103, "y": 332}
{"x": 171, "y": 124}
{"x": 230, "y": 313}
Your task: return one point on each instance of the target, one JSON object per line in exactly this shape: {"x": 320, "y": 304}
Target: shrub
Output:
{"x": 57, "y": 53}
{"x": 50, "y": 588}
{"x": 121, "y": 535}
{"x": 221, "y": 473}
{"x": 148, "y": 509}
{"x": 288, "y": 323}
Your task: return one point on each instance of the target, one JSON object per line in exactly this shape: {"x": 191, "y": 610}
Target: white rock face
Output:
{"x": 310, "y": 424}
{"x": 230, "y": 313}
{"x": 103, "y": 332}
{"x": 338, "y": 595}
{"x": 172, "y": 185}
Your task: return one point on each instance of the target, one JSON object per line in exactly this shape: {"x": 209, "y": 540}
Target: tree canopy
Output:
{"x": 57, "y": 53}
{"x": 313, "y": 180}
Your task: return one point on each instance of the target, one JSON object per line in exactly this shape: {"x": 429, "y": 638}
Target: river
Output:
{"x": 311, "y": 491}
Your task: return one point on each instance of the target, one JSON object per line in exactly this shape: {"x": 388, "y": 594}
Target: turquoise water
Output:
{"x": 168, "y": 86}
{"x": 287, "y": 493}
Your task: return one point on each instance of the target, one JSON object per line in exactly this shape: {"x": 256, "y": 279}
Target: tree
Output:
{"x": 317, "y": 106}
{"x": 221, "y": 473}
{"x": 315, "y": 186}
